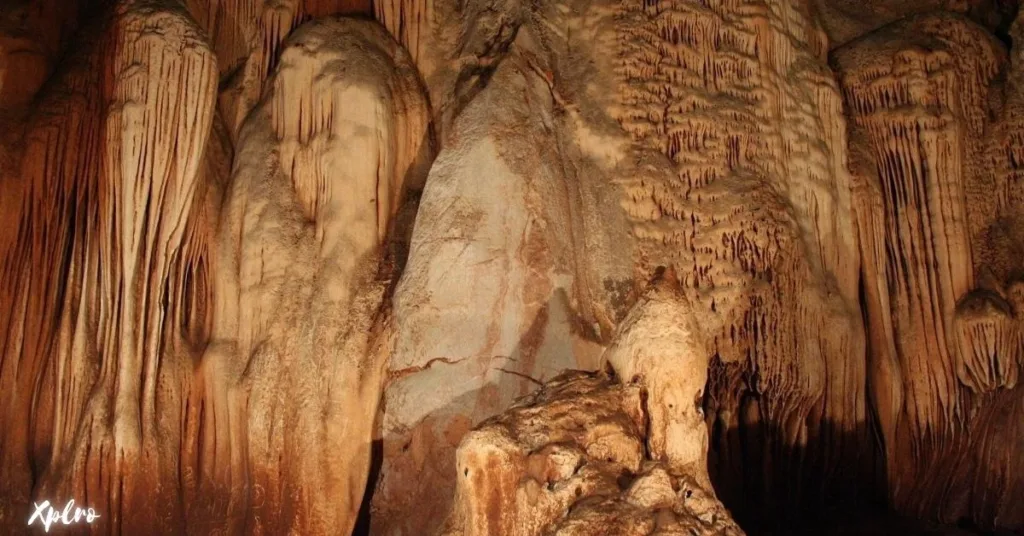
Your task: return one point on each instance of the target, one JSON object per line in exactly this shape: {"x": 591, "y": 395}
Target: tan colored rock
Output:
{"x": 660, "y": 348}
{"x": 519, "y": 268}
{"x": 570, "y": 460}
{"x": 106, "y": 183}
{"x": 457, "y": 45}
{"x": 720, "y": 180}
{"x": 213, "y": 298}
{"x": 753, "y": 209}
{"x": 296, "y": 361}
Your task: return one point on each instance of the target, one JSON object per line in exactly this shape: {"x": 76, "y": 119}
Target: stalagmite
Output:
{"x": 295, "y": 365}
{"x": 661, "y": 349}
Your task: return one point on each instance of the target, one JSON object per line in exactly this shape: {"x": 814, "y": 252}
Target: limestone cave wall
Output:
{"x": 501, "y": 267}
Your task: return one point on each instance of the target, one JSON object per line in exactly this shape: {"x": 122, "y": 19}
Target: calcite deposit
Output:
{"x": 571, "y": 459}
{"x": 489, "y": 267}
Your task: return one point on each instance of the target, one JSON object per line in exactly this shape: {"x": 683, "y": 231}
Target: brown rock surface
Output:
{"x": 197, "y": 314}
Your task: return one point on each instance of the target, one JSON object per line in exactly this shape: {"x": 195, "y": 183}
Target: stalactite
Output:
{"x": 109, "y": 181}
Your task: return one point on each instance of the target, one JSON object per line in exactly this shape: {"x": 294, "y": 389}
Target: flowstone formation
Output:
{"x": 275, "y": 266}
{"x": 296, "y": 362}
{"x": 934, "y": 154}
{"x": 754, "y": 210}
{"x": 103, "y": 215}
{"x": 188, "y": 346}
{"x": 248, "y": 37}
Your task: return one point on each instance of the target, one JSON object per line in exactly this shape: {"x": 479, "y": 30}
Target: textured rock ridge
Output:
{"x": 247, "y": 36}
{"x": 660, "y": 348}
{"x": 186, "y": 299}
{"x": 324, "y": 162}
{"x": 587, "y": 455}
{"x": 262, "y": 258}
{"x": 590, "y": 455}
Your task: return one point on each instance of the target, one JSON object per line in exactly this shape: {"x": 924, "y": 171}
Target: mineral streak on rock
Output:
{"x": 493, "y": 254}
{"x": 755, "y": 214}
{"x": 519, "y": 242}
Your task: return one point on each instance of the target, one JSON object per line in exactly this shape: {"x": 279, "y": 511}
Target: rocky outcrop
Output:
{"x": 571, "y": 460}
{"x": 510, "y": 280}
{"x": 592, "y": 454}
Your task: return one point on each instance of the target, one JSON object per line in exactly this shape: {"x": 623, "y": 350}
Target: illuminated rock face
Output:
{"x": 215, "y": 354}
{"x": 266, "y": 266}
{"x": 933, "y": 149}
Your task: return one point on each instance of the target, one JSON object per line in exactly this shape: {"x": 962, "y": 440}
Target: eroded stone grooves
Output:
{"x": 407, "y": 21}
{"x": 287, "y": 392}
{"x": 205, "y": 204}
{"x": 757, "y": 217}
